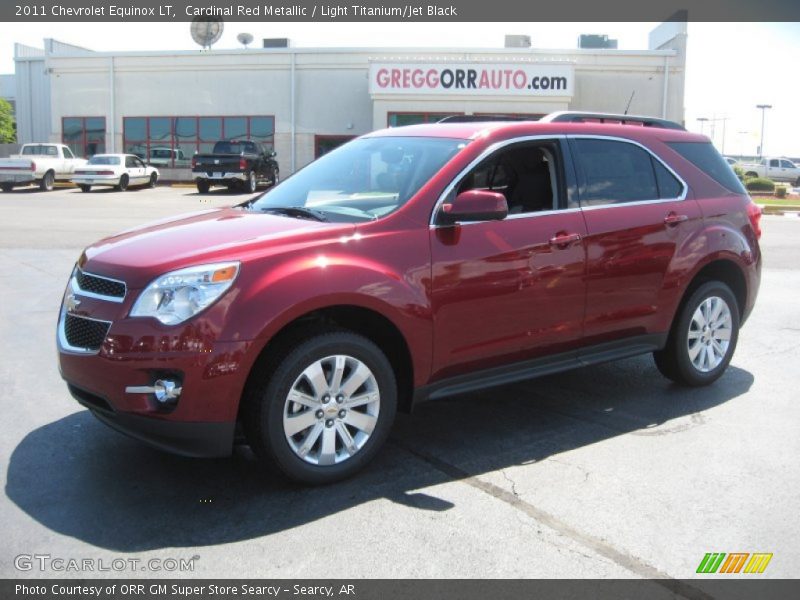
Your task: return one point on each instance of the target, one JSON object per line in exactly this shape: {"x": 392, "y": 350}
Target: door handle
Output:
{"x": 674, "y": 219}
{"x": 564, "y": 239}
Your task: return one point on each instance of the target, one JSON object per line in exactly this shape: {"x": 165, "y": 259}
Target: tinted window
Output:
{"x": 614, "y": 172}
{"x": 668, "y": 185}
{"x": 787, "y": 164}
{"x": 706, "y": 158}
{"x": 774, "y": 163}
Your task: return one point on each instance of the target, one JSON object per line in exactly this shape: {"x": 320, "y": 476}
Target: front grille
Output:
{"x": 100, "y": 285}
{"x": 85, "y": 333}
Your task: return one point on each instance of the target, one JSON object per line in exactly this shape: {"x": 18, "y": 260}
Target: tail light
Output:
{"x": 104, "y": 172}
{"x": 242, "y": 164}
{"x": 754, "y": 214}
{"x": 33, "y": 166}
{"x": 194, "y": 162}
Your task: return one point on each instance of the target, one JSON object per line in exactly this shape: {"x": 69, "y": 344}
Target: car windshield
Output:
{"x": 364, "y": 179}
{"x": 104, "y": 160}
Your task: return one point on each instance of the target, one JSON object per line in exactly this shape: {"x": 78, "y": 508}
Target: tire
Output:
{"x": 7, "y": 187}
{"x": 276, "y": 177}
{"x": 48, "y": 182}
{"x": 123, "y": 184}
{"x": 691, "y": 356}
{"x": 202, "y": 186}
{"x": 751, "y": 174}
{"x": 84, "y": 187}
{"x": 797, "y": 182}
{"x": 251, "y": 184}
{"x": 153, "y": 180}
{"x": 269, "y": 410}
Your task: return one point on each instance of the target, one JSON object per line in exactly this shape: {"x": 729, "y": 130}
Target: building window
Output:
{"x": 524, "y": 116}
{"x": 172, "y": 141}
{"x": 325, "y": 143}
{"x": 85, "y": 136}
{"x": 398, "y": 119}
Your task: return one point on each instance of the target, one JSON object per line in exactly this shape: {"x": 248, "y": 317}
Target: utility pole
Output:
{"x": 763, "y": 108}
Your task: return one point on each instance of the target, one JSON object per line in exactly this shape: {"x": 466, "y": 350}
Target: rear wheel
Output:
{"x": 84, "y": 187}
{"x": 703, "y": 338}
{"x": 202, "y": 186}
{"x": 751, "y": 174}
{"x": 123, "y": 183}
{"x": 48, "y": 182}
{"x": 7, "y": 187}
{"x": 153, "y": 179}
{"x": 276, "y": 176}
{"x": 251, "y": 184}
{"x": 325, "y": 410}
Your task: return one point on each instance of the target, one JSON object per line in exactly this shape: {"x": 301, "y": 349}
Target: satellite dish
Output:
{"x": 245, "y": 38}
{"x": 206, "y": 31}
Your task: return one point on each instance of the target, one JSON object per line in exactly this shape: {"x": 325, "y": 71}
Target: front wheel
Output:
{"x": 276, "y": 177}
{"x": 703, "y": 339}
{"x": 7, "y": 187}
{"x": 153, "y": 180}
{"x": 326, "y": 410}
{"x": 123, "y": 183}
{"x": 48, "y": 182}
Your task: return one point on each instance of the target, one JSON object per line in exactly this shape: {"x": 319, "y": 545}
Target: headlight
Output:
{"x": 180, "y": 295}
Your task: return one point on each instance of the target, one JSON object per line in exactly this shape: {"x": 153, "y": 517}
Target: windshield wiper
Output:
{"x": 300, "y": 212}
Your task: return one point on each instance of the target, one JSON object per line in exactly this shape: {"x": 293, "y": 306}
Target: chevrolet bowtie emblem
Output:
{"x": 72, "y": 303}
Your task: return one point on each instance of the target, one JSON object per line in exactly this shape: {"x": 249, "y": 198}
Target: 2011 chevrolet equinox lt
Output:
{"x": 411, "y": 264}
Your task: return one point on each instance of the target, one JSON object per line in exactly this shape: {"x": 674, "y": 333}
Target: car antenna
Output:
{"x": 627, "y": 108}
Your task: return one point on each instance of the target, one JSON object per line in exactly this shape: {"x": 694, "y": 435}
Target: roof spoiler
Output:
{"x": 591, "y": 117}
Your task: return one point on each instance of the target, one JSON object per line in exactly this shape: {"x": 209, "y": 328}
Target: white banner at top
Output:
{"x": 472, "y": 79}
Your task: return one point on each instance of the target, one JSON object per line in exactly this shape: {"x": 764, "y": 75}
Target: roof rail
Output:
{"x": 481, "y": 118}
{"x": 584, "y": 117}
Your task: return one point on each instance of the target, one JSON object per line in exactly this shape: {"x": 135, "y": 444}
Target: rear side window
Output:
{"x": 706, "y": 158}
{"x": 614, "y": 172}
{"x": 668, "y": 185}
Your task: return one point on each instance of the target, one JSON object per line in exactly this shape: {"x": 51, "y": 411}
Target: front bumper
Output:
{"x": 195, "y": 439}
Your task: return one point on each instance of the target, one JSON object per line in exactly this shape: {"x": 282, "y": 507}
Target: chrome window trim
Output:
{"x": 530, "y": 138}
{"x": 63, "y": 344}
{"x": 78, "y": 291}
{"x": 612, "y": 138}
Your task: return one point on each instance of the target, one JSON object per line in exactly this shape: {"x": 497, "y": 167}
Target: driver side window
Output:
{"x": 524, "y": 173}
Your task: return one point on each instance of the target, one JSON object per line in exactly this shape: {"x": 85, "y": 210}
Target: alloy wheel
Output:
{"x": 709, "y": 334}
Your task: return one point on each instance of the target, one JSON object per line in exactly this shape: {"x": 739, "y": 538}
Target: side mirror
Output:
{"x": 474, "y": 205}
{"x": 273, "y": 154}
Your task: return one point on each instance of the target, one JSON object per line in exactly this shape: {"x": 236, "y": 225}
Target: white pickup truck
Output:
{"x": 777, "y": 169}
{"x": 42, "y": 164}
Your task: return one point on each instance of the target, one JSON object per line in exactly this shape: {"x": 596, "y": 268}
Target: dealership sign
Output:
{"x": 472, "y": 79}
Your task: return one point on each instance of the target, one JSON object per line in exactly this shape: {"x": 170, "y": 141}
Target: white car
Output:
{"x": 116, "y": 170}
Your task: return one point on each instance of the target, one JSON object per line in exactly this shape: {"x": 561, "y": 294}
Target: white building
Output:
{"x": 304, "y": 101}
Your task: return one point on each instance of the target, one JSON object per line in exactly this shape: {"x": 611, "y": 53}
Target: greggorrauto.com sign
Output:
{"x": 473, "y": 79}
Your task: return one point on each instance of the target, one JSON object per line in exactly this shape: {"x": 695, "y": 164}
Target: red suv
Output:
{"x": 412, "y": 264}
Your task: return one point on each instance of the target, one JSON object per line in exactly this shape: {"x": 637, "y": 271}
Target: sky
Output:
{"x": 731, "y": 67}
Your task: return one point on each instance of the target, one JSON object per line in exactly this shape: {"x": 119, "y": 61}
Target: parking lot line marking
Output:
{"x": 627, "y": 561}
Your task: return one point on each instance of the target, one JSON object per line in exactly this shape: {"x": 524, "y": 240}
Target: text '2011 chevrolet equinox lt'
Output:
{"x": 411, "y": 264}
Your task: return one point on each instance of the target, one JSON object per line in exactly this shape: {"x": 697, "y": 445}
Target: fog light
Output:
{"x": 165, "y": 390}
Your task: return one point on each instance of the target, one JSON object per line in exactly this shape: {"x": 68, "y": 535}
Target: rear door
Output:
{"x": 510, "y": 290}
{"x": 637, "y": 216}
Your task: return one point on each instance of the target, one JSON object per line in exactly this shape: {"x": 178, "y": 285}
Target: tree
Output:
{"x": 8, "y": 129}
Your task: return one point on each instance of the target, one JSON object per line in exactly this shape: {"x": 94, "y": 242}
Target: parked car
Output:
{"x": 413, "y": 264}
{"x": 777, "y": 169}
{"x": 42, "y": 164}
{"x": 166, "y": 157}
{"x": 115, "y": 170}
{"x": 237, "y": 164}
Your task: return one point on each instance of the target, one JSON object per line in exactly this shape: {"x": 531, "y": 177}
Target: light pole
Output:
{"x": 703, "y": 121}
{"x": 763, "y": 108}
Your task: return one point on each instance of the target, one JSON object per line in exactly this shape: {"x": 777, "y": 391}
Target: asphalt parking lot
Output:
{"x": 608, "y": 471}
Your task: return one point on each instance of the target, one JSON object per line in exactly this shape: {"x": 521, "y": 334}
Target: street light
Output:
{"x": 763, "y": 108}
{"x": 703, "y": 121}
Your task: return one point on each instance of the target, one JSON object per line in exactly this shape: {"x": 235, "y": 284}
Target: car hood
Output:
{"x": 141, "y": 254}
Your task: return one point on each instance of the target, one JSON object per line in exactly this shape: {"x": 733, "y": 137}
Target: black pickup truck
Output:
{"x": 237, "y": 164}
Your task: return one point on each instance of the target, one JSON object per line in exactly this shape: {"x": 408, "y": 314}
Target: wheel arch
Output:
{"x": 720, "y": 269}
{"x": 355, "y": 318}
